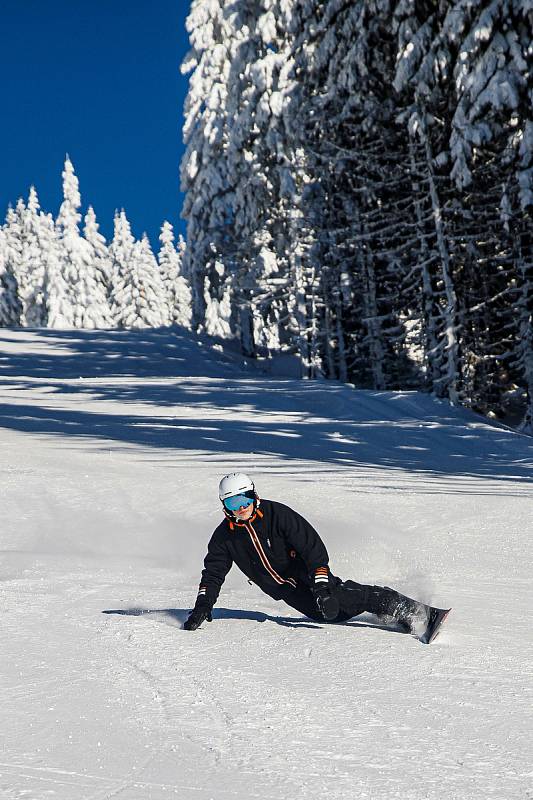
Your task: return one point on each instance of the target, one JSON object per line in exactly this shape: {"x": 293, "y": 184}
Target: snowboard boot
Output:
{"x": 411, "y": 615}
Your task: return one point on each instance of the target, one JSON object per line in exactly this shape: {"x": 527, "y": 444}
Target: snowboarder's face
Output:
{"x": 244, "y": 513}
{"x": 240, "y": 502}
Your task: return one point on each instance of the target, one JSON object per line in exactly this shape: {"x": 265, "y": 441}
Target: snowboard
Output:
{"x": 436, "y": 618}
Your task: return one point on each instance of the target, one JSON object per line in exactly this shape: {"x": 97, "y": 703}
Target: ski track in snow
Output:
{"x": 112, "y": 444}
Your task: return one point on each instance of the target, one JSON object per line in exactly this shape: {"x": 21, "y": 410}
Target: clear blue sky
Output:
{"x": 101, "y": 81}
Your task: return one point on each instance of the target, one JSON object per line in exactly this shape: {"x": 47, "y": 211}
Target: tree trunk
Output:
{"x": 450, "y": 380}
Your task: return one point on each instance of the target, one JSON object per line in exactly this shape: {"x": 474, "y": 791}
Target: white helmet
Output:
{"x": 235, "y": 483}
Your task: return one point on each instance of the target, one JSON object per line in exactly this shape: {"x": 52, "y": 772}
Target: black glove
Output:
{"x": 326, "y": 603}
{"x": 196, "y": 617}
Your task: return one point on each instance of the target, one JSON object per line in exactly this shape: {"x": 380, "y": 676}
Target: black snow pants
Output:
{"x": 354, "y": 599}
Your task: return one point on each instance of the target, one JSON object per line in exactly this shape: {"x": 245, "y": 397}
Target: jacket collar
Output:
{"x": 234, "y": 523}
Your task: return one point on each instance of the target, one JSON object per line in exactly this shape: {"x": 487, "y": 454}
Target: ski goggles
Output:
{"x": 239, "y": 501}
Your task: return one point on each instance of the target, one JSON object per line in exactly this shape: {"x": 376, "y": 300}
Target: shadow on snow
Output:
{"x": 179, "y": 615}
{"x": 193, "y": 398}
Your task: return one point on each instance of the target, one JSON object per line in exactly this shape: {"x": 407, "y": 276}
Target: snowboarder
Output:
{"x": 279, "y": 551}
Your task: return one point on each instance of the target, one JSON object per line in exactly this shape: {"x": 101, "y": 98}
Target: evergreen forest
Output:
{"x": 359, "y": 190}
{"x": 55, "y": 274}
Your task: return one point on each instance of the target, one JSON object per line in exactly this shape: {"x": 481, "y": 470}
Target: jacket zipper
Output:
{"x": 266, "y": 563}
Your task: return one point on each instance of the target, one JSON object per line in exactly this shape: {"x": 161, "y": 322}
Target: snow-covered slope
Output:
{"x": 111, "y": 447}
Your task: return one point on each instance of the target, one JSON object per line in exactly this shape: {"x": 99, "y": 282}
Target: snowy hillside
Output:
{"x": 112, "y": 445}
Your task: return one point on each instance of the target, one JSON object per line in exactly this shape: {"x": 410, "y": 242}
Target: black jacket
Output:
{"x": 277, "y": 549}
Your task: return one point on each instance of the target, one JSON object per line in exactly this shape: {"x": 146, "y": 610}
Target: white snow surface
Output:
{"x": 112, "y": 445}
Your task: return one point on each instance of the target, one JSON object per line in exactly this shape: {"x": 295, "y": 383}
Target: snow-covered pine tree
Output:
{"x": 242, "y": 178}
{"x": 205, "y": 176}
{"x": 269, "y": 267}
{"x": 217, "y": 312}
{"x": 56, "y": 290}
{"x": 33, "y": 265}
{"x": 72, "y": 245}
{"x": 16, "y": 252}
{"x": 153, "y": 306}
{"x": 139, "y": 298}
{"x": 32, "y": 245}
{"x": 81, "y": 266}
{"x": 121, "y": 254}
{"x": 10, "y": 309}
{"x": 177, "y": 289}
{"x": 102, "y": 262}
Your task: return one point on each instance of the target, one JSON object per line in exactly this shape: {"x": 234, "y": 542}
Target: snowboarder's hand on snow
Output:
{"x": 326, "y": 603}
{"x": 321, "y": 586}
{"x": 196, "y": 617}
